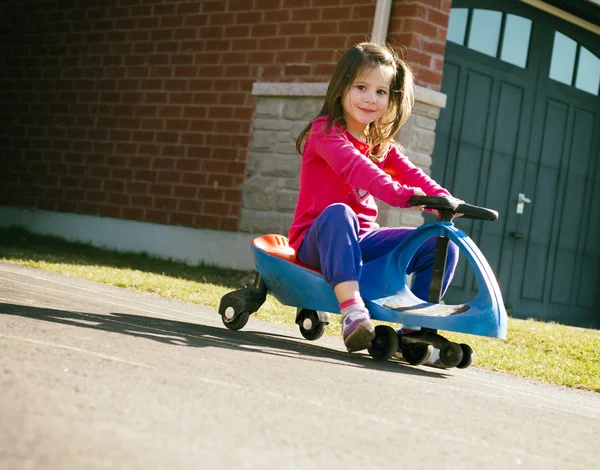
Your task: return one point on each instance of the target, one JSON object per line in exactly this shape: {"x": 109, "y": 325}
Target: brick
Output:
{"x": 185, "y": 192}
{"x": 177, "y": 218}
{"x": 186, "y": 71}
{"x": 155, "y": 97}
{"x": 142, "y": 201}
{"x": 182, "y": 59}
{"x": 417, "y": 57}
{"x": 232, "y": 127}
{"x": 182, "y": 34}
{"x": 157, "y": 216}
{"x": 331, "y": 42}
{"x": 215, "y": 207}
{"x": 163, "y": 163}
{"x": 249, "y": 44}
{"x": 436, "y": 47}
{"x": 165, "y": 203}
{"x": 206, "y": 221}
{"x": 196, "y": 139}
{"x": 420, "y": 26}
{"x": 122, "y": 173}
{"x": 200, "y": 125}
{"x": 197, "y": 151}
{"x": 275, "y": 44}
{"x": 439, "y": 18}
{"x": 355, "y": 27}
{"x": 210, "y": 6}
{"x": 145, "y": 175}
{"x": 167, "y": 47}
{"x": 229, "y": 223}
{"x": 296, "y": 3}
{"x": 173, "y": 150}
{"x": 409, "y": 10}
{"x": 173, "y": 22}
{"x": 298, "y": 69}
{"x": 96, "y": 196}
{"x": 253, "y": 17}
{"x": 135, "y": 187}
{"x": 220, "y": 112}
{"x": 306, "y": 15}
{"x": 260, "y": 58}
{"x": 429, "y": 79}
{"x": 304, "y": 42}
{"x": 190, "y": 206}
{"x": 267, "y": 4}
{"x": 118, "y": 199}
{"x": 237, "y": 31}
{"x": 264, "y": 30}
{"x": 131, "y": 213}
{"x": 276, "y": 16}
{"x": 177, "y": 125}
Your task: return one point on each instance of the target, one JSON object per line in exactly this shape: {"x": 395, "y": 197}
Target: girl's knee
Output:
{"x": 453, "y": 253}
{"x": 340, "y": 211}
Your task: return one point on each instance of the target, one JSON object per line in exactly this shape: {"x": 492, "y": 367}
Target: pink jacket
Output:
{"x": 335, "y": 168}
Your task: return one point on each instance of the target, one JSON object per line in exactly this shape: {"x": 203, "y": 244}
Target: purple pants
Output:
{"x": 333, "y": 245}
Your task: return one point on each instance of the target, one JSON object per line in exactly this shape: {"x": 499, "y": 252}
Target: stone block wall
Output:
{"x": 281, "y": 111}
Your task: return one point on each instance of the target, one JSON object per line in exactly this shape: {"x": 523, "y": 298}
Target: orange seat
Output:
{"x": 276, "y": 245}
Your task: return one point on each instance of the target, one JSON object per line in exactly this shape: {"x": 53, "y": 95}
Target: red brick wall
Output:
{"x": 142, "y": 109}
{"x": 420, "y": 28}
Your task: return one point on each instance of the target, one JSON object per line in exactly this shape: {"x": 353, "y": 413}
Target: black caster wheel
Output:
{"x": 235, "y": 307}
{"x": 467, "y": 358}
{"x": 417, "y": 354}
{"x": 451, "y": 354}
{"x": 234, "y": 321}
{"x": 385, "y": 343}
{"x": 311, "y": 326}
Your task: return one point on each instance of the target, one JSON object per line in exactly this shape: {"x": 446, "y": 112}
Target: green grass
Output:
{"x": 546, "y": 352}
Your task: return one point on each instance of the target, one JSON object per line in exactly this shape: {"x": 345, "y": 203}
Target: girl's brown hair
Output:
{"x": 358, "y": 60}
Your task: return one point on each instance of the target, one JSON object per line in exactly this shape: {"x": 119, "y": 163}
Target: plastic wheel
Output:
{"x": 385, "y": 343}
{"x": 417, "y": 354}
{"x": 234, "y": 321}
{"x": 311, "y": 326}
{"x": 451, "y": 354}
{"x": 467, "y": 359}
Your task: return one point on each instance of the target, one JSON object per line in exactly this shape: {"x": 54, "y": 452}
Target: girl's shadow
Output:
{"x": 178, "y": 333}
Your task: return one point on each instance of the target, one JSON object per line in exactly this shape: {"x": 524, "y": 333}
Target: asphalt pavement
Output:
{"x": 97, "y": 377}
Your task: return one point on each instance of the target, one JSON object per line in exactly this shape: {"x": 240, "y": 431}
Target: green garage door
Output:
{"x": 520, "y": 134}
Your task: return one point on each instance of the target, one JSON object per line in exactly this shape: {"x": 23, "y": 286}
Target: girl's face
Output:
{"x": 367, "y": 99}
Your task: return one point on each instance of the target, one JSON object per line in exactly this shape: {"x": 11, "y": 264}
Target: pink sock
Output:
{"x": 351, "y": 302}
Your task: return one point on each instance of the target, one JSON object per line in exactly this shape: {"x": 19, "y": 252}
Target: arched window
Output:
{"x": 574, "y": 65}
{"x": 501, "y": 35}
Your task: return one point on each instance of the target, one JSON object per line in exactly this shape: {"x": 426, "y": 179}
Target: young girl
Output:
{"x": 349, "y": 158}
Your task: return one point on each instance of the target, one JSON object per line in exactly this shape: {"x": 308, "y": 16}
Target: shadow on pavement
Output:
{"x": 178, "y": 333}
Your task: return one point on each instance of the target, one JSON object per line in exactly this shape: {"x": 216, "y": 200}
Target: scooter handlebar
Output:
{"x": 468, "y": 211}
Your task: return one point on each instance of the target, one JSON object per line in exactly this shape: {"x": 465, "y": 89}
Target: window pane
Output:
{"x": 485, "y": 31}
{"x": 588, "y": 72}
{"x": 515, "y": 44}
{"x": 563, "y": 59}
{"x": 457, "y": 25}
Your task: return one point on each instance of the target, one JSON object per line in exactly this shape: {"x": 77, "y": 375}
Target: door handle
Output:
{"x": 521, "y": 200}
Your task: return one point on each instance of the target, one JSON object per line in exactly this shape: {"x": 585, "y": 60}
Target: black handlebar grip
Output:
{"x": 469, "y": 211}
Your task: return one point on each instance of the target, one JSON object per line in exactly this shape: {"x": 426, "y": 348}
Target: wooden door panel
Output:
{"x": 572, "y": 219}
{"x": 545, "y": 200}
{"x": 588, "y": 286}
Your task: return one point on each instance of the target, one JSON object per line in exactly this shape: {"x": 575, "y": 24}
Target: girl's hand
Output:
{"x": 418, "y": 192}
{"x": 459, "y": 201}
